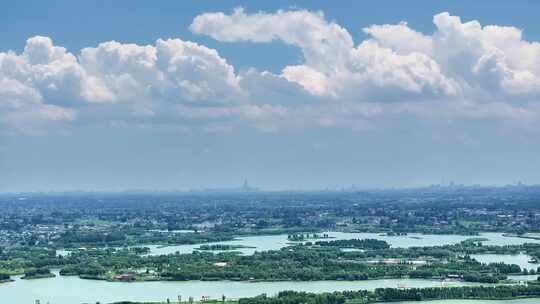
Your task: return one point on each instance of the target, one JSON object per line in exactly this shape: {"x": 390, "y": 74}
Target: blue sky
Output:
{"x": 286, "y": 94}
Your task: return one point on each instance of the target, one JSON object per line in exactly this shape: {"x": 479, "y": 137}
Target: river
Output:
{"x": 73, "y": 290}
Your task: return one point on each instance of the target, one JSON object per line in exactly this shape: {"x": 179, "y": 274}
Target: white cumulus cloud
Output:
{"x": 333, "y": 66}
{"x": 462, "y": 70}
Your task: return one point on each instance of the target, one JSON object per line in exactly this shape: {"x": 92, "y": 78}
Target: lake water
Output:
{"x": 276, "y": 242}
{"x": 73, "y": 290}
{"x": 523, "y": 278}
{"x": 522, "y": 260}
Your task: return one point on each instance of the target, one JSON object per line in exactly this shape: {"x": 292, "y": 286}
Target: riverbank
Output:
{"x": 38, "y": 276}
{"x": 511, "y": 279}
{"x": 522, "y": 300}
{"x": 383, "y": 295}
{"x": 524, "y": 236}
{"x": 380, "y": 295}
{"x": 70, "y": 290}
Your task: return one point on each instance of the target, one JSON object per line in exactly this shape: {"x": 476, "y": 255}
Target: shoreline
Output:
{"x": 37, "y": 277}
{"x": 507, "y": 282}
{"x": 530, "y": 237}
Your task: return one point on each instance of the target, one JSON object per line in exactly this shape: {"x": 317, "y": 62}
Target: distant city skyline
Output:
{"x": 285, "y": 94}
{"x": 250, "y": 189}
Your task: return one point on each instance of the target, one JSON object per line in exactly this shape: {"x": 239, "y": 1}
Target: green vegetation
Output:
{"x": 394, "y": 295}
{"x": 4, "y": 278}
{"x": 322, "y": 260}
{"x": 37, "y": 273}
{"x": 355, "y": 243}
{"x": 124, "y": 219}
{"x": 300, "y": 237}
{"x": 221, "y": 247}
{"x": 107, "y": 235}
{"x": 385, "y": 295}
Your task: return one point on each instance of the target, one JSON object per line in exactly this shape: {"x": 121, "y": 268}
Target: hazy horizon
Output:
{"x": 253, "y": 188}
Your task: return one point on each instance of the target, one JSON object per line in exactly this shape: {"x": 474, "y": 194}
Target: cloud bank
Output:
{"x": 462, "y": 71}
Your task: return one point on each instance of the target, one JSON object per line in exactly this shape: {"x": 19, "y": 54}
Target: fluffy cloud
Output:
{"x": 113, "y": 82}
{"x": 462, "y": 71}
{"x": 400, "y": 38}
{"x": 174, "y": 70}
{"x": 460, "y": 60}
{"x": 491, "y": 61}
{"x": 463, "y": 66}
{"x": 333, "y": 66}
{"x": 323, "y": 44}
{"x": 25, "y": 113}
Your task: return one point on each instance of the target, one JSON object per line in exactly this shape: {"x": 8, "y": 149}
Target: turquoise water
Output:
{"x": 276, "y": 242}
{"x": 72, "y": 290}
{"x": 522, "y": 260}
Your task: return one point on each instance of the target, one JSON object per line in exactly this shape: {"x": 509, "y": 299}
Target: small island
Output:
{"x": 300, "y": 237}
{"x": 222, "y": 247}
{"x": 38, "y": 273}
